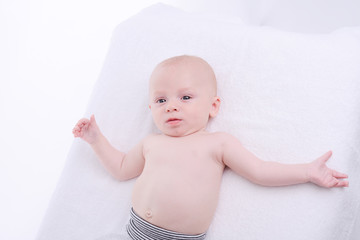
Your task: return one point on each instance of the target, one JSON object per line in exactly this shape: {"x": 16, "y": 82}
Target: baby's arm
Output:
{"x": 122, "y": 166}
{"x": 267, "y": 173}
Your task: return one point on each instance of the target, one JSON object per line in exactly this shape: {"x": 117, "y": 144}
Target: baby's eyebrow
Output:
{"x": 158, "y": 93}
{"x": 187, "y": 89}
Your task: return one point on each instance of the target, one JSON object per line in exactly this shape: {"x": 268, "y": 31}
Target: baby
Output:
{"x": 180, "y": 170}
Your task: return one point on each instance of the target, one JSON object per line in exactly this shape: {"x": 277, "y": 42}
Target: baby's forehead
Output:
{"x": 193, "y": 67}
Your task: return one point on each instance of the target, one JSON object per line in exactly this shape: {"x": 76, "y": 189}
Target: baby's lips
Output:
{"x": 173, "y": 119}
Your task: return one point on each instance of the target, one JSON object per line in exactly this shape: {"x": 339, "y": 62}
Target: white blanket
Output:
{"x": 288, "y": 97}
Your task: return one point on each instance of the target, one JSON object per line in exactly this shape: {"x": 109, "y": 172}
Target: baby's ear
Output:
{"x": 215, "y": 106}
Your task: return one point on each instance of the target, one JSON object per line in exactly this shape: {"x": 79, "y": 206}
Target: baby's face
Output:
{"x": 182, "y": 98}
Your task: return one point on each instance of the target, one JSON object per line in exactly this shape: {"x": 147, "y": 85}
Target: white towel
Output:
{"x": 288, "y": 97}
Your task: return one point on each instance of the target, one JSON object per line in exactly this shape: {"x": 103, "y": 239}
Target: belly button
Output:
{"x": 148, "y": 214}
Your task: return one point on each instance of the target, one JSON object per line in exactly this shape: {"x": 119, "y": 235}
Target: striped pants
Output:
{"x": 139, "y": 229}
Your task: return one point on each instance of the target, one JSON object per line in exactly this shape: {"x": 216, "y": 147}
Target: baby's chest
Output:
{"x": 180, "y": 154}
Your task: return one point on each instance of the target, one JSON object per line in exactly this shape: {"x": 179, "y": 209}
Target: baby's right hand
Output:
{"x": 87, "y": 129}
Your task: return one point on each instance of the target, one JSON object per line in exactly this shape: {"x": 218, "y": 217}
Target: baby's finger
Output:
{"x": 342, "y": 184}
{"x": 339, "y": 174}
{"x": 325, "y": 156}
{"x": 76, "y": 133}
{"x": 92, "y": 118}
{"x": 82, "y": 122}
{"x": 332, "y": 183}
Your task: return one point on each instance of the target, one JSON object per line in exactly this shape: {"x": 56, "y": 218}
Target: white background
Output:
{"x": 51, "y": 53}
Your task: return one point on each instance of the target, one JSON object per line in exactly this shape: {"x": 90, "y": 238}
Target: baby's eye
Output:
{"x": 186, "y": 98}
{"x": 161, "y": 100}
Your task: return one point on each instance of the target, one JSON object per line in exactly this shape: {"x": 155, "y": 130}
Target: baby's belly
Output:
{"x": 176, "y": 201}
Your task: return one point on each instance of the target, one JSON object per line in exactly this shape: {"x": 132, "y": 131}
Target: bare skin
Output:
{"x": 179, "y": 171}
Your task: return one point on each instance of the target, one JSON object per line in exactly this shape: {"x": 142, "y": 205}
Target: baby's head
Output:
{"x": 183, "y": 95}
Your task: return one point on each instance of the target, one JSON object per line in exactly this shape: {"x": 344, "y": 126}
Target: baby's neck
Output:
{"x": 198, "y": 132}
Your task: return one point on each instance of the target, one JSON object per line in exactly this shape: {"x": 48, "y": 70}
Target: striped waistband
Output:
{"x": 139, "y": 229}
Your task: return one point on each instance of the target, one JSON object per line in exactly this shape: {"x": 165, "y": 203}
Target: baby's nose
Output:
{"x": 171, "y": 108}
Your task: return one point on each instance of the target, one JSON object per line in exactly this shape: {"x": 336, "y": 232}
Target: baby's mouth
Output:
{"x": 173, "y": 120}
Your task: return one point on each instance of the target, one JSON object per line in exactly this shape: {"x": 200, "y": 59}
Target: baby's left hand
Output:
{"x": 323, "y": 176}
